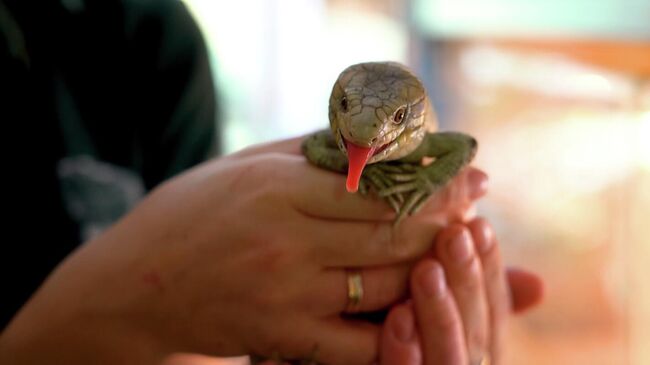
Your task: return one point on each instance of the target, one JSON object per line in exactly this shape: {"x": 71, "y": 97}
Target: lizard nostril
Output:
{"x": 373, "y": 140}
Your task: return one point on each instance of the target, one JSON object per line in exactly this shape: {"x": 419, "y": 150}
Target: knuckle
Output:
{"x": 246, "y": 177}
{"x": 405, "y": 243}
{"x": 267, "y": 166}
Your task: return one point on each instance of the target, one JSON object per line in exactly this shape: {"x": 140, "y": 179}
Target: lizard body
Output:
{"x": 382, "y": 127}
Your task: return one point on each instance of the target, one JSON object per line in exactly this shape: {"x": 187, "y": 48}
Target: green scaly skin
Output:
{"x": 363, "y": 109}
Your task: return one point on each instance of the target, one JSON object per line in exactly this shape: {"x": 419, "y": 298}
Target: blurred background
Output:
{"x": 557, "y": 93}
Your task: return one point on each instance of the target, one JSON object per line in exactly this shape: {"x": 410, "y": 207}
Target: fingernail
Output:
{"x": 460, "y": 247}
{"x": 478, "y": 183}
{"x": 487, "y": 238}
{"x": 432, "y": 281}
{"x": 403, "y": 324}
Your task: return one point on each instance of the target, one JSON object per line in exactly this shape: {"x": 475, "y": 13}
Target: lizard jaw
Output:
{"x": 381, "y": 152}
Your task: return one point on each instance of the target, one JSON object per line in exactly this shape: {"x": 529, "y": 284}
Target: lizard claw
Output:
{"x": 405, "y": 187}
{"x": 375, "y": 179}
{"x": 397, "y": 189}
{"x": 403, "y": 177}
{"x": 417, "y": 187}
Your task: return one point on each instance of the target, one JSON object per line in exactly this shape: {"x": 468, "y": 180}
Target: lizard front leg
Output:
{"x": 321, "y": 150}
{"x": 376, "y": 177}
{"x": 451, "y": 151}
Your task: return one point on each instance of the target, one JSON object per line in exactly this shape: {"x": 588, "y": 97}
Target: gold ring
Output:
{"x": 355, "y": 290}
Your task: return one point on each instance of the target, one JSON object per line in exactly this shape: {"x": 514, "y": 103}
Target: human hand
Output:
{"x": 458, "y": 310}
{"x": 245, "y": 254}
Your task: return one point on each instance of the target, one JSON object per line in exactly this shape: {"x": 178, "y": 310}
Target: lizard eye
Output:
{"x": 344, "y": 104}
{"x": 399, "y": 115}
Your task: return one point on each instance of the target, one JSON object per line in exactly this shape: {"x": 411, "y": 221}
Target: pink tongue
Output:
{"x": 357, "y": 158}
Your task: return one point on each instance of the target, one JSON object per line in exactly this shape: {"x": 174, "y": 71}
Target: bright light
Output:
{"x": 579, "y": 153}
{"x": 276, "y": 60}
{"x": 548, "y": 74}
{"x": 551, "y": 162}
{"x": 643, "y": 139}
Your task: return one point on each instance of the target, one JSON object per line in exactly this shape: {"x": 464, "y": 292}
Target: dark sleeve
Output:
{"x": 133, "y": 75}
{"x": 177, "y": 121}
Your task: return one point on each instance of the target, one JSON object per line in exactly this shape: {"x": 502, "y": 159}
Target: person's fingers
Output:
{"x": 289, "y": 146}
{"x": 470, "y": 184}
{"x": 526, "y": 289}
{"x": 321, "y": 193}
{"x": 456, "y": 197}
{"x": 496, "y": 290}
{"x": 381, "y": 286}
{"x": 438, "y": 320}
{"x": 477, "y": 182}
{"x": 455, "y": 250}
{"x": 399, "y": 340}
{"x": 339, "y": 244}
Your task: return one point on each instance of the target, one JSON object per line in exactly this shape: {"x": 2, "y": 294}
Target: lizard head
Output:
{"x": 377, "y": 112}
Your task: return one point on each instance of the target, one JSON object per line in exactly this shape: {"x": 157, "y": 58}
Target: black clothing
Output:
{"x": 89, "y": 89}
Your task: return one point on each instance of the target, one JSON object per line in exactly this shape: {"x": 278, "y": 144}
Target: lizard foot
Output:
{"x": 377, "y": 178}
{"x": 414, "y": 184}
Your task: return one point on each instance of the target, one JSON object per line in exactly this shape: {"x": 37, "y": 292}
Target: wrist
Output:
{"x": 85, "y": 313}
{"x": 81, "y": 338}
